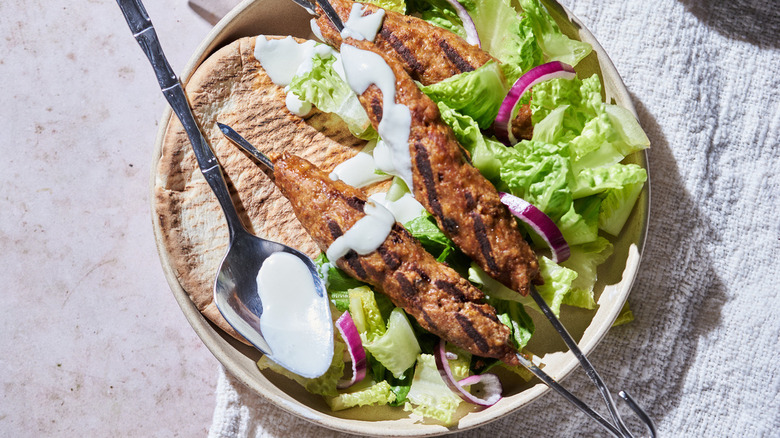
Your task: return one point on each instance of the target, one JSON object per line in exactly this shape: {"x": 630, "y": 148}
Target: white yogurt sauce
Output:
{"x": 360, "y": 170}
{"x": 404, "y": 209}
{"x": 364, "y": 68}
{"x": 296, "y": 321}
{"x": 297, "y": 106}
{"x": 315, "y": 29}
{"x": 286, "y": 58}
{"x": 362, "y": 27}
{"x": 366, "y": 235}
{"x": 282, "y": 58}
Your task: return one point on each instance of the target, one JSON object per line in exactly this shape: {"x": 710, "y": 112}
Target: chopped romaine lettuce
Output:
{"x": 365, "y": 313}
{"x": 585, "y": 259}
{"x": 580, "y": 224}
{"x": 323, "y": 87}
{"x": 429, "y": 396}
{"x": 592, "y": 181}
{"x": 506, "y": 35}
{"x": 539, "y": 173}
{"x": 397, "y": 348}
{"x": 390, "y": 5}
{"x": 555, "y": 45}
{"x": 457, "y": 92}
{"x": 617, "y": 206}
{"x": 484, "y": 151}
{"x": 400, "y": 386}
{"x": 460, "y": 366}
{"x": 424, "y": 229}
{"x": 557, "y": 283}
{"x": 438, "y": 13}
{"x": 363, "y": 394}
{"x": 625, "y": 316}
{"x": 513, "y": 315}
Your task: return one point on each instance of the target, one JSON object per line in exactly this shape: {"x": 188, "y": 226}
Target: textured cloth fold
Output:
{"x": 701, "y": 354}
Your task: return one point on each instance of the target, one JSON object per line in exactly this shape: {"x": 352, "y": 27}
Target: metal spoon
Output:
{"x": 235, "y": 288}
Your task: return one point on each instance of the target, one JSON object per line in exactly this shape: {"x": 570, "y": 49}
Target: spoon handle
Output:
{"x": 143, "y": 31}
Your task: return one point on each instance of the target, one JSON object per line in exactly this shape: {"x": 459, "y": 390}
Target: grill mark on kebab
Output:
{"x": 352, "y": 259}
{"x": 468, "y": 327}
{"x": 480, "y": 232}
{"x": 455, "y": 57}
{"x": 423, "y": 164}
{"x": 450, "y": 287}
{"x": 390, "y": 258}
{"x": 355, "y": 203}
{"x": 376, "y": 107}
{"x": 398, "y": 46}
{"x": 429, "y": 53}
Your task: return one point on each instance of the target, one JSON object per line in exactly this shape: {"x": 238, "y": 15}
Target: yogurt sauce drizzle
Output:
{"x": 283, "y": 59}
{"x": 366, "y": 235}
{"x": 362, "y": 27}
{"x": 404, "y": 209}
{"x": 295, "y": 320}
{"x": 364, "y": 68}
{"x": 360, "y": 170}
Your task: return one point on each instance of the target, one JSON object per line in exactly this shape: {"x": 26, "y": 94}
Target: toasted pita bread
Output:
{"x": 231, "y": 87}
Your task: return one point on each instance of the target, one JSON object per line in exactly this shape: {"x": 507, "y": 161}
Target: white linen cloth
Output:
{"x": 702, "y": 353}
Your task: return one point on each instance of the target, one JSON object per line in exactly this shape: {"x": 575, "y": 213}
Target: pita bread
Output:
{"x": 232, "y": 88}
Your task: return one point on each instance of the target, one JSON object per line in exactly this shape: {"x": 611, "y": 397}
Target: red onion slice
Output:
{"x": 540, "y": 222}
{"x": 468, "y": 24}
{"x": 552, "y": 70}
{"x": 492, "y": 386}
{"x": 349, "y": 333}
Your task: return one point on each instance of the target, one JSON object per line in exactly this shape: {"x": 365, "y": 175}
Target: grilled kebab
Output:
{"x": 466, "y": 206}
{"x": 441, "y": 301}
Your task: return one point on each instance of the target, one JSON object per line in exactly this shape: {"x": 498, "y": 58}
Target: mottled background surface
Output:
{"x": 93, "y": 343}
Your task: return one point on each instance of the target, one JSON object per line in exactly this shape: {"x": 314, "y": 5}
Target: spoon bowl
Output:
{"x": 236, "y": 289}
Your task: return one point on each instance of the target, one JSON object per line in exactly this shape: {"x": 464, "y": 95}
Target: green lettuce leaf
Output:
{"x": 485, "y": 152}
{"x": 438, "y": 13}
{"x": 323, "y": 87}
{"x": 617, "y": 206}
{"x": 625, "y": 316}
{"x": 555, "y": 45}
{"x": 585, "y": 259}
{"x": 365, "y": 313}
{"x": 390, "y": 5}
{"x": 513, "y": 315}
{"x": 363, "y": 394}
{"x": 507, "y": 35}
{"x": 424, "y": 229}
{"x": 539, "y": 173}
{"x": 325, "y": 384}
{"x": 429, "y": 396}
{"x": 397, "y": 348}
{"x": 592, "y": 181}
{"x": 337, "y": 283}
{"x": 557, "y": 283}
{"x": 457, "y": 92}
{"x": 580, "y": 224}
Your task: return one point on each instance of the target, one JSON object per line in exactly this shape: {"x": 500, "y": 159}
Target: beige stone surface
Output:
{"x": 93, "y": 341}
